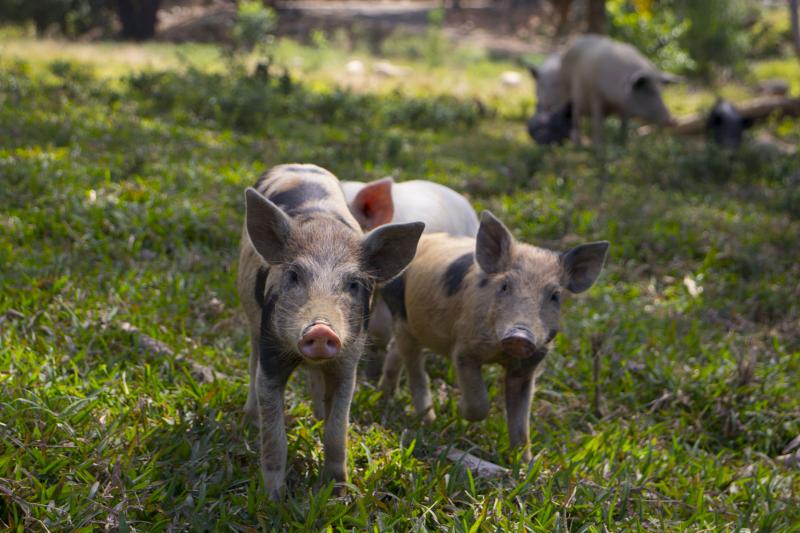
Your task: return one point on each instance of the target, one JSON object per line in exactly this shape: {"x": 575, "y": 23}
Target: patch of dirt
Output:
{"x": 505, "y": 31}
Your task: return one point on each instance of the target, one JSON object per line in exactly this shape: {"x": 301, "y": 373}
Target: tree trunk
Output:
{"x": 794, "y": 17}
{"x": 138, "y": 18}
{"x": 597, "y": 16}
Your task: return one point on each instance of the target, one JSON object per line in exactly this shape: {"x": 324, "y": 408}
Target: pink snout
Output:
{"x": 519, "y": 343}
{"x": 319, "y": 342}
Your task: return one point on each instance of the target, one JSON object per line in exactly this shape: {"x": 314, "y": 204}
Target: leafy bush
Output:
{"x": 657, "y": 33}
{"x": 685, "y": 36}
{"x": 716, "y": 36}
{"x": 70, "y": 17}
{"x": 250, "y": 103}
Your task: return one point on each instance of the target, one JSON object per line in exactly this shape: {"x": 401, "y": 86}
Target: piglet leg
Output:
{"x": 392, "y": 366}
{"x": 519, "y": 392}
{"x": 474, "y": 402}
{"x": 339, "y": 386}
{"x": 272, "y": 429}
{"x": 418, "y": 382}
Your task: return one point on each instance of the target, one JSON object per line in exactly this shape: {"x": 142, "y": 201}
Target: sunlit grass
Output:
{"x": 118, "y": 242}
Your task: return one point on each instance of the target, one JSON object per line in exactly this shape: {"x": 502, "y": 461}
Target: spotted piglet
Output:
{"x": 306, "y": 278}
{"x": 480, "y": 301}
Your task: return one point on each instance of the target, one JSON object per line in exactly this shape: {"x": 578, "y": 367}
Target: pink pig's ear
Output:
{"x": 373, "y": 205}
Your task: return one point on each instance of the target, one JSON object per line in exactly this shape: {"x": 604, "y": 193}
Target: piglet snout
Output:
{"x": 319, "y": 341}
{"x": 519, "y": 342}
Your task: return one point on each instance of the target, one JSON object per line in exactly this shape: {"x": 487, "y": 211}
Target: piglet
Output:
{"x": 382, "y": 201}
{"x": 306, "y": 278}
{"x": 482, "y": 301}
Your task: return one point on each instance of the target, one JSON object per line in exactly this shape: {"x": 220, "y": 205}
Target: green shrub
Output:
{"x": 695, "y": 38}
{"x": 249, "y": 103}
{"x": 70, "y": 17}
{"x": 251, "y": 33}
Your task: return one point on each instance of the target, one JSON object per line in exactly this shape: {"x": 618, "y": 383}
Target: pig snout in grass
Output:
{"x": 306, "y": 278}
{"x": 382, "y": 201}
{"x": 725, "y": 126}
{"x": 551, "y": 128}
{"x": 600, "y": 77}
{"x": 483, "y": 301}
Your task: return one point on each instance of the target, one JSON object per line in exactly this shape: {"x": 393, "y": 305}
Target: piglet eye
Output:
{"x": 353, "y": 286}
{"x": 504, "y": 287}
{"x": 293, "y": 277}
{"x": 555, "y": 297}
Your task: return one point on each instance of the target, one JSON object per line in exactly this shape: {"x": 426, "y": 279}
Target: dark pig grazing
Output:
{"x": 379, "y": 202}
{"x": 482, "y": 301}
{"x": 551, "y": 128}
{"x": 725, "y": 126}
{"x": 306, "y": 279}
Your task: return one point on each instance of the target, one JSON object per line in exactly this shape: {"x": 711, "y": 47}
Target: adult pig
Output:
{"x": 379, "y": 202}
{"x": 306, "y": 278}
{"x": 600, "y": 77}
{"x": 482, "y": 301}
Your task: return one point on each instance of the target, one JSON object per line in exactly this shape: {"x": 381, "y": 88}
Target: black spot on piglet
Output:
{"x": 394, "y": 294}
{"x": 291, "y": 199}
{"x": 454, "y": 275}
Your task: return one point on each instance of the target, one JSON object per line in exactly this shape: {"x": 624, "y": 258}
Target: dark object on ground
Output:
{"x": 725, "y": 125}
{"x": 774, "y": 87}
{"x": 755, "y": 109}
{"x": 551, "y": 128}
{"x": 138, "y": 18}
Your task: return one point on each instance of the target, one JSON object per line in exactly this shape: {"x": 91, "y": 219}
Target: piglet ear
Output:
{"x": 373, "y": 205}
{"x": 389, "y": 249}
{"x": 641, "y": 80}
{"x": 493, "y": 245}
{"x": 669, "y": 79}
{"x": 583, "y": 264}
{"x": 268, "y": 227}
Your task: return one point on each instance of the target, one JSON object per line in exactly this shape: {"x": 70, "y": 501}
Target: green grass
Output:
{"x": 122, "y": 205}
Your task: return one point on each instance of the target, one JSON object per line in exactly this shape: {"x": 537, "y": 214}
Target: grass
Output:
{"x": 122, "y": 206}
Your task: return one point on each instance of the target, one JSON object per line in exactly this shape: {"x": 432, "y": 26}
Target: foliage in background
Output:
{"x": 253, "y": 31}
{"x": 429, "y": 47}
{"x": 71, "y": 17}
{"x": 697, "y": 38}
{"x": 716, "y": 37}
{"x": 657, "y": 32}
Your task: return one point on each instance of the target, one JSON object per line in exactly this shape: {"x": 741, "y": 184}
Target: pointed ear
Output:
{"x": 493, "y": 245}
{"x": 583, "y": 264}
{"x": 669, "y": 79}
{"x": 267, "y": 226}
{"x": 640, "y": 80}
{"x": 387, "y": 250}
{"x": 373, "y": 205}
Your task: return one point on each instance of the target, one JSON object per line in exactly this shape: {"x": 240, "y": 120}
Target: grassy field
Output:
{"x": 121, "y": 191}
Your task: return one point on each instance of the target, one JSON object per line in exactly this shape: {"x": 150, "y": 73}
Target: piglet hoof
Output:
{"x": 387, "y": 386}
{"x": 251, "y": 415}
{"x": 274, "y": 486}
{"x": 474, "y": 413}
{"x": 339, "y": 478}
{"x": 428, "y": 417}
